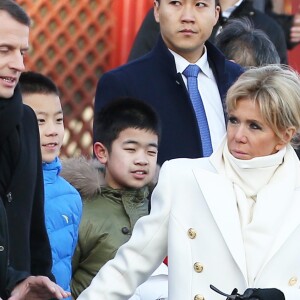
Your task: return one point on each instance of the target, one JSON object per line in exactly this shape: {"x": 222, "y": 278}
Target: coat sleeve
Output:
{"x": 75, "y": 266}
{"x": 13, "y": 278}
{"x": 137, "y": 259}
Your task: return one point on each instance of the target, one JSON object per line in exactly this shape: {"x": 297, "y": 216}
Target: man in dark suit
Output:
{"x": 24, "y": 244}
{"x": 157, "y": 78}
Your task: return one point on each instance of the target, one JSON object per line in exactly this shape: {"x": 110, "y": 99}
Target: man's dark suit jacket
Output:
{"x": 153, "y": 78}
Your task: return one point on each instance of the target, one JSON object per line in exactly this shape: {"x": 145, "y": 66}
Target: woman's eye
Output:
{"x": 255, "y": 126}
{"x": 232, "y": 120}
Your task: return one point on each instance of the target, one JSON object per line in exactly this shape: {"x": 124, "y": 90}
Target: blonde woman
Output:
{"x": 231, "y": 220}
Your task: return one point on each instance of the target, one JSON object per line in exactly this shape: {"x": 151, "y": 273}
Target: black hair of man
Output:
{"x": 37, "y": 83}
{"x": 15, "y": 11}
{"x": 121, "y": 114}
{"x": 247, "y": 46}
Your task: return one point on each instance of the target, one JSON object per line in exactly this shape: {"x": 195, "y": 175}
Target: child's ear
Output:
{"x": 101, "y": 152}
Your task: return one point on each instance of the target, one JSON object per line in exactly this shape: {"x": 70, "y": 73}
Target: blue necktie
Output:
{"x": 191, "y": 73}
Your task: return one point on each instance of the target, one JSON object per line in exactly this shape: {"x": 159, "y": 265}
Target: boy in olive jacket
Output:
{"x": 115, "y": 186}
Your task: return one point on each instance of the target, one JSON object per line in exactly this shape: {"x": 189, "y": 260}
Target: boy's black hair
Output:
{"x": 121, "y": 114}
{"x": 37, "y": 83}
{"x": 15, "y": 11}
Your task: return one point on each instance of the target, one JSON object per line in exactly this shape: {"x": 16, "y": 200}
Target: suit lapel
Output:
{"x": 220, "y": 198}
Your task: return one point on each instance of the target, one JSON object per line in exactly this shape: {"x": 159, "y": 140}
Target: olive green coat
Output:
{"x": 107, "y": 220}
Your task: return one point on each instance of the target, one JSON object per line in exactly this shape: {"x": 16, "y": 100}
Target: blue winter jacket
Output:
{"x": 63, "y": 209}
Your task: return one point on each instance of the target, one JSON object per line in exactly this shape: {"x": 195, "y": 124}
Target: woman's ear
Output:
{"x": 101, "y": 152}
{"x": 286, "y": 137}
{"x": 289, "y": 134}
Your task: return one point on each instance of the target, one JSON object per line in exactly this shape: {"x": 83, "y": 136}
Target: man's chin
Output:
{"x": 6, "y": 94}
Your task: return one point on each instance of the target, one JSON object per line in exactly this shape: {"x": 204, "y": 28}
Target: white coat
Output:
{"x": 194, "y": 220}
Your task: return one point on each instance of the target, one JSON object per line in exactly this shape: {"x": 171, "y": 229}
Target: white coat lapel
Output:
{"x": 290, "y": 223}
{"x": 284, "y": 194}
{"x": 220, "y": 198}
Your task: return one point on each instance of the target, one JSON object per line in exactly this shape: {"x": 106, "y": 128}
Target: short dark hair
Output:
{"x": 15, "y": 11}
{"x": 121, "y": 114}
{"x": 37, "y": 83}
{"x": 247, "y": 46}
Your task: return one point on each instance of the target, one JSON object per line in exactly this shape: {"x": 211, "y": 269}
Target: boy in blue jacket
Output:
{"x": 63, "y": 205}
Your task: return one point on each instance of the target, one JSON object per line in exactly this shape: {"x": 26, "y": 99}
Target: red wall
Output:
{"x": 294, "y": 55}
{"x": 129, "y": 15}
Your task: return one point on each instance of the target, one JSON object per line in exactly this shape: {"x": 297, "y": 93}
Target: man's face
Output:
{"x": 14, "y": 38}
{"x": 186, "y": 24}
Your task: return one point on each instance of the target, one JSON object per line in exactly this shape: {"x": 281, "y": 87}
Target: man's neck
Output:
{"x": 225, "y": 4}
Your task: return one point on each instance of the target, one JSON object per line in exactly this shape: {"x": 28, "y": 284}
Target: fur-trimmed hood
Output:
{"x": 87, "y": 175}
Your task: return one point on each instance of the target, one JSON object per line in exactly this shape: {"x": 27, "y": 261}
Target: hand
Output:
{"x": 295, "y": 30}
{"x": 252, "y": 294}
{"x": 38, "y": 288}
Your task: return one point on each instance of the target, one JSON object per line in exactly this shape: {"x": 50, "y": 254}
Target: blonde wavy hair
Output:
{"x": 276, "y": 90}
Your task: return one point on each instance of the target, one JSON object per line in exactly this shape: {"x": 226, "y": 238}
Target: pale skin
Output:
{"x": 48, "y": 110}
{"x": 38, "y": 288}
{"x": 14, "y": 38}
{"x": 248, "y": 134}
{"x": 131, "y": 162}
{"x": 185, "y": 25}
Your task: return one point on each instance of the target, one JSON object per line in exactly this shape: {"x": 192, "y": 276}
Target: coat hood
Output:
{"x": 87, "y": 175}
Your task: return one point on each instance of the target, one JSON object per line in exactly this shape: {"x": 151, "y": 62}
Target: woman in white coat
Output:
{"x": 231, "y": 220}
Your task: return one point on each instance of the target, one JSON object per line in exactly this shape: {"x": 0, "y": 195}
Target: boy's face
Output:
{"x": 13, "y": 45}
{"x": 47, "y": 108}
{"x": 186, "y": 24}
{"x": 131, "y": 163}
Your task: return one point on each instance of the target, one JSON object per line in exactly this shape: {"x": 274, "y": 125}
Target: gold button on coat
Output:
{"x": 198, "y": 267}
{"x": 199, "y": 297}
{"x": 293, "y": 281}
{"x": 192, "y": 233}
